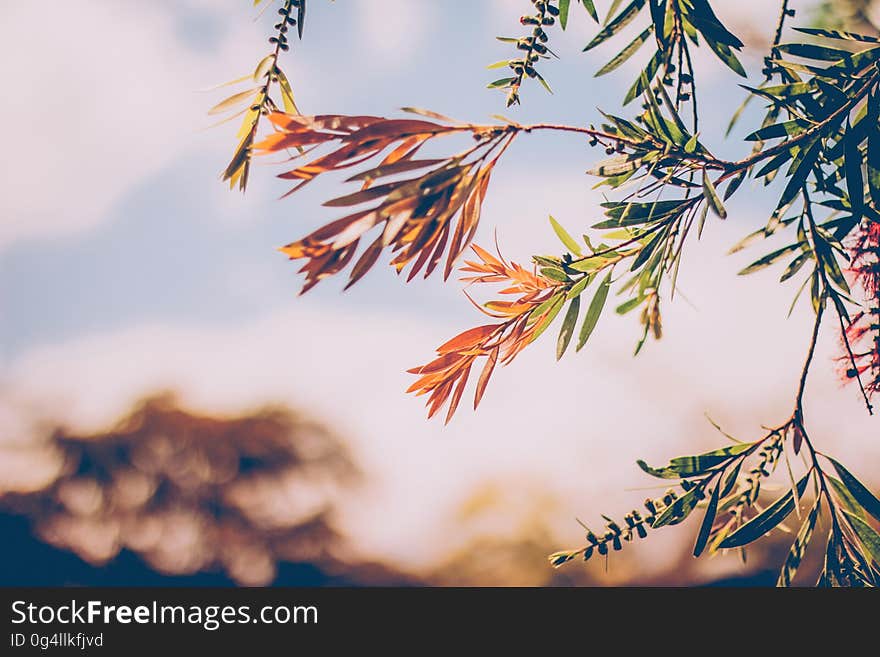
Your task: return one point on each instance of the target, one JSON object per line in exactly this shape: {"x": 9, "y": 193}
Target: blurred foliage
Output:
{"x": 193, "y": 493}
{"x": 860, "y": 16}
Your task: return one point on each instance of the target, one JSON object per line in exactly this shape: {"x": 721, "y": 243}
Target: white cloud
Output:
{"x": 100, "y": 96}
{"x": 393, "y": 29}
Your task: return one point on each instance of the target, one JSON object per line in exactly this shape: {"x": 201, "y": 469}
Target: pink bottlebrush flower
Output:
{"x": 863, "y": 332}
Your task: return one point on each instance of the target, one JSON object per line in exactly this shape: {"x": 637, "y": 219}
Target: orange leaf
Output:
{"x": 467, "y": 339}
{"x": 456, "y": 395}
{"x": 483, "y": 381}
{"x": 437, "y": 399}
{"x": 367, "y": 260}
{"x": 487, "y": 257}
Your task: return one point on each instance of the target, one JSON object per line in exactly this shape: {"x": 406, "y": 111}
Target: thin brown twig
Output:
{"x": 730, "y": 168}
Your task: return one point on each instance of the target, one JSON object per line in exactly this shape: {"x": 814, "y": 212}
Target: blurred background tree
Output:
{"x": 166, "y": 496}
{"x": 247, "y": 498}
{"x": 860, "y": 16}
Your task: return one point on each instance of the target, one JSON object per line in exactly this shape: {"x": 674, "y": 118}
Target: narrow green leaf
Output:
{"x": 725, "y": 54}
{"x": 690, "y": 466}
{"x": 630, "y": 304}
{"x": 501, "y": 82}
{"x": 578, "y": 287}
{"x": 567, "y": 240}
{"x": 702, "y": 223}
{"x": 795, "y": 266}
{"x": 615, "y": 5}
{"x": 631, "y": 49}
{"x": 672, "y": 130}
{"x": 784, "y": 129}
{"x": 868, "y": 537}
{"x": 544, "y": 308}
{"x": 594, "y": 311}
{"x": 712, "y": 197}
{"x": 766, "y": 520}
{"x": 855, "y": 183}
{"x": 648, "y": 249}
{"x": 844, "y": 497}
{"x": 658, "y": 19}
{"x": 559, "y": 558}
{"x": 544, "y": 83}
{"x": 862, "y": 495}
{"x": 769, "y": 170}
{"x": 780, "y": 91}
{"x": 591, "y": 9}
{"x": 623, "y": 19}
{"x": 799, "y": 547}
{"x": 814, "y": 51}
{"x": 568, "y": 324}
{"x": 730, "y": 481}
{"x": 749, "y": 240}
{"x": 627, "y": 128}
{"x": 233, "y": 101}
{"x": 874, "y": 166}
{"x": 547, "y": 261}
{"x": 769, "y": 259}
{"x": 682, "y": 135}
{"x": 734, "y": 119}
{"x": 832, "y": 268}
{"x": 704, "y": 19}
{"x": 617, "y": 165}
{"x": 554, "y": 274}
{"x": 638, "y": 87}
{"x": 264, "y": 67}
{"x": 564, "y": 6}
{"x": 286, "y": 92}
{"x": 301, "y": 19}
{"x": 644, "y": 212}
{"x": 835, "y": 34}
{"x": 708, "y": 521}
{"x": 801, "y": 170}
{"x": 817, "y": 299}
{"x": 554, "y": 305}
{"x": 678, "y": 510}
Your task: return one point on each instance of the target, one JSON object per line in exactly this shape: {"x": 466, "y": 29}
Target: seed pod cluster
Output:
{"x": 767, "y": 457}
{"x": 533, "y": 46}
{"x": 286, "y": 21}
{"x": 635, "y": 525}
{"x": 259, "y": 100}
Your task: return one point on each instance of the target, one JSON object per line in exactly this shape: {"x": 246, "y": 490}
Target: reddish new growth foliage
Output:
{"x": 537, "y": 301}
{"x": 864, "y": 330}
{"x": 417, "y": 203}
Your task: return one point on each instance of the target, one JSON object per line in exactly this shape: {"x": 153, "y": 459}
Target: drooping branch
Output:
{"x": 257, "y": 100}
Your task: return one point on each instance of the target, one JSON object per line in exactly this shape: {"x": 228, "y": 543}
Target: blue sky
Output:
{"x": 125, "y": 265}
